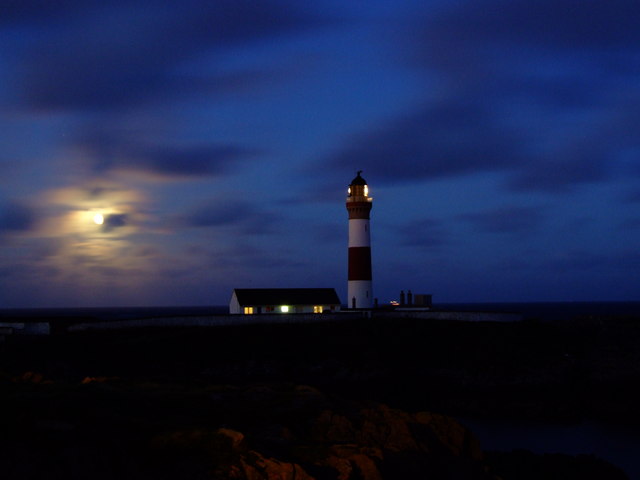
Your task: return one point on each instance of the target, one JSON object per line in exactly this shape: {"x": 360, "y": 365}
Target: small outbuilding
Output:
{"x": 255, "y": 301}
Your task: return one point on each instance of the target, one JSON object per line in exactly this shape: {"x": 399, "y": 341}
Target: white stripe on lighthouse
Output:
{"x": 361, "y": 291}
{"x": 359, "y": 233}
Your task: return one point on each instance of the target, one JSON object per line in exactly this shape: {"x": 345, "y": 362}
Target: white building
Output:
{"x": 255, "y": 301}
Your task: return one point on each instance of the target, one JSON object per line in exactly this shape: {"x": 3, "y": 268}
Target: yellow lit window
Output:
{"x": 248, "y": 310}
{"x": 317, "y": 309}
{"x": 284, "y": 308}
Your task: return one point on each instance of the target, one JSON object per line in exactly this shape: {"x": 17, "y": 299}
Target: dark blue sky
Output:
{"x": 500, "y": 140}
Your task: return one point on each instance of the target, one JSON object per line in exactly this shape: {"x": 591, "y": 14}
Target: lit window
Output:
{"x": 317, "y": 309}
{"x": 284, "y": 308}
{"x": 366, "y": 190}
{"x": 248, "y": 310}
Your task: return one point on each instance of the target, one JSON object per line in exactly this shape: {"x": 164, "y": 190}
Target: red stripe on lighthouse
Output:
{"x": 359, "y": 263}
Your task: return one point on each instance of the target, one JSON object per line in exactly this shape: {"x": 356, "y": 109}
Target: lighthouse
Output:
{"x": 359, "y": 205}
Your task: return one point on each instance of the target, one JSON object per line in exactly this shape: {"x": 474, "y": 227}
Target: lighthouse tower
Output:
{"x": 359, "y": 205}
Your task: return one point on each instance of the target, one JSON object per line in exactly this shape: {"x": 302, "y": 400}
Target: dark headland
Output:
{"x": 357, "y": 399}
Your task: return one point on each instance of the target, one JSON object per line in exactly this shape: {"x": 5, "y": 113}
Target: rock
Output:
{"x": 331, "y": 427}
{"x": 235, "y": 438}
{"x": 387, "y": 429}
{"x": 396, "y": 431}
{"x": 458, "y": 439}
{"x": 224, "y": 452}
{"x": 355, "y": 462}
{"x": 377, "y": 442}
{"x": 86, "y": 380}
{"x": 257, "y": 467}
{"x": 30, "y": 377}
{"x": 306, "y": 389}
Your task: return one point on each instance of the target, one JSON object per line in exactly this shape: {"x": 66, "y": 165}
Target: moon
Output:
{"x": 98, "y": 219}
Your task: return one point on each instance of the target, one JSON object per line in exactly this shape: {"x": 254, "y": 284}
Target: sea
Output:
{"x": 551, "y": 311}
{"x": 100, "y": 314}
{"x": 615, "y": 443}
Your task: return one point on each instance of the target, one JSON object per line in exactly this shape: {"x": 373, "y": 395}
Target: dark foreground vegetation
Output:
{"x": 363, "y": 399}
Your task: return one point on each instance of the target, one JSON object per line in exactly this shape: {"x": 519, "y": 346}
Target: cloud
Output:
{"x": 15, "y": 217}
{"x": 105, "y": 57}
{"x": 70, "y": 212}
{"x": 540, "y": 91}
{"x": 581, "y": 260}
{"x": 118, "y": 151}
{"x": 95, "y": 194}
{"x": 447, "y": 138}
{"x": 33, "y": 11}
{"x": 630, "y": 225}
{"x": 505, "y": 220}
{"x": 424, "y": 234}
{"x": 584, "y": 162}
{"x": 556, "y": 24}
{"x": 114, "y": 220}
{"x": 632, "y": 197}
{"x": 215, "y": 214}
{"x": 464, "y": 137}
{"x": 188, "y": 161}
{"x": 218, "y": 212}
{"x": 484, "y": 42}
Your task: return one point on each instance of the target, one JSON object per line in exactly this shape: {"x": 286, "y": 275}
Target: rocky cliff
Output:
{"x": 107, "y": 428}
{"x": 235, "y": 402}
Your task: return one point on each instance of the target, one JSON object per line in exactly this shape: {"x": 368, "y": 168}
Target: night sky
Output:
{"x": 500, "y": 140}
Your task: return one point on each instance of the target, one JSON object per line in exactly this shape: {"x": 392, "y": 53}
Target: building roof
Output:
{"x": 358, "y": 180}
{"x": 287, "y": 296}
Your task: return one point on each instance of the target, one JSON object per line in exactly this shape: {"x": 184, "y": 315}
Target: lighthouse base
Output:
{"x": 359, "y": 294}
